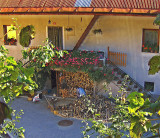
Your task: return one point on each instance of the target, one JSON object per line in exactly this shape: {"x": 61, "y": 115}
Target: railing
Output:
{"x": 117, "y": 58}
{"x": 131, "y": 79}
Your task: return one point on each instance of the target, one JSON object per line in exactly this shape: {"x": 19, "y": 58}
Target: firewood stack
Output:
{"x": 73, "y": 81}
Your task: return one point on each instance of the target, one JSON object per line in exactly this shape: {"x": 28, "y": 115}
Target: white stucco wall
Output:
{"x": 121, "y": 33}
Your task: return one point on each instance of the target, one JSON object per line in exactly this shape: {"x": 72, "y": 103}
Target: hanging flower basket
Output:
{"x": 69, "y": 29}
{"x": 97, "y": 31}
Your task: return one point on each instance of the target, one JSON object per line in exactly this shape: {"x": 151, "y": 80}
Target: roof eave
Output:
{"x": 78, "y": 11}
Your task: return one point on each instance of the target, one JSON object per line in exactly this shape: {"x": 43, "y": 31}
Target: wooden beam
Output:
{"x": 84, "y": 35}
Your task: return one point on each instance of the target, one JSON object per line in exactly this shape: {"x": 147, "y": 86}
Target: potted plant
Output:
{"x": 115, "y": 78}
{"x": 115, "y": 69}
{"x": 135, "y": 86}
{"x": 31, "y": 94}
{"x": 128, "y": 89}
{"x": 119, "y": 73}
{"x": 123, "y": 75}
{"x": 69, "y": 29}
{"x": 11, "y": 41}
{"x": 140, "y": 90}
{"x": 119, "y": 82}
{"x": 130, "y": 83}
{"x": 97, "y": 31}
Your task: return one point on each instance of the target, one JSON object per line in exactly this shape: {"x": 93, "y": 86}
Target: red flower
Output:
{"x": 150, "y": 48}
{"x": 142, "y": 45}
{"x": 104, "y": 74}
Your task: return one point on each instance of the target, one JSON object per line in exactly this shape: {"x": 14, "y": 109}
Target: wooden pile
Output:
{"x": 72, "y": 81}
{"x": 83, "y": 107}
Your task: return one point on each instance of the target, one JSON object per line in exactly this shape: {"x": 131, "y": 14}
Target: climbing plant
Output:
{"x": 154, "y": 64}
{"x": 26, "y": 35}
{"x": 40, "y": 58}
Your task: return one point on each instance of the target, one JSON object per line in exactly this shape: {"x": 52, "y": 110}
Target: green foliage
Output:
{"x": 85, "y": 61}
{"x": 99, "y": 74}
{"x": 26, "y": 35}
{"x": 157, "y": 20}
{"x": 41, "y": 59}
{"x": 154, "y": 64}
{"x": 77, "y": 60}
{"x": 13, "y": 77}
{"x": 131, "y": 114}
{"x": 9, "y": 125}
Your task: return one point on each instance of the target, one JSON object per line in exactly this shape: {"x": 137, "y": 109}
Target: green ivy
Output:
{"x": 26, "y": 35}
{"x": 154, "y": 64}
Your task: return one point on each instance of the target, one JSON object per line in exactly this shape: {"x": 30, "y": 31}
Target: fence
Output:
{"x": 117, "y": 58}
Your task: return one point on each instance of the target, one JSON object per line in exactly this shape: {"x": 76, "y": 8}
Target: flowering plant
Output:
{"x": 85, "y": 61}
{"x": 76, "y": 60}
{"x": 10, "y": 41}
{"x": 148, "y": 47}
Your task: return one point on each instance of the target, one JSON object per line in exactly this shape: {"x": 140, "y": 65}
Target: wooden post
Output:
{"x": 108, "y": 54}
{"x": 121, "y": 60}
{"x": 84, "y": 35}
{"x": 125, "y": 60}
{"x": 57, "y": 83}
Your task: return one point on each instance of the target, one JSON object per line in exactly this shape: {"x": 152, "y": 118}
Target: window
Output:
{"x": 149, "y": 86}
{"x": 150, "y": 40}
{"x": 9, "y": 35}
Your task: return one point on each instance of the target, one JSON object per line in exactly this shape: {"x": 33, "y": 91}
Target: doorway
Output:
{"x": 55, "y": 36}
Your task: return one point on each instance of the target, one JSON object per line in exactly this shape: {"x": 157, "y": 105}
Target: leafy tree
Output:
{"x": 41, "y": 59}
{"x": 131, "y": 118}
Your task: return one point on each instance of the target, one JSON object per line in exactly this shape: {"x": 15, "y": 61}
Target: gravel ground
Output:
{"x": 39, "y": 122}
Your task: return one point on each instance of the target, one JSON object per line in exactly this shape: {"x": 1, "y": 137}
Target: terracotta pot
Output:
{"x": 32, "y": 94}
{"x": 55, "y": 112}
{"x": 29, "y": 98}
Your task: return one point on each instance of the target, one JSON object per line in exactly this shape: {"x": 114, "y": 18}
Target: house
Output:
{"x": 125, "y": 26}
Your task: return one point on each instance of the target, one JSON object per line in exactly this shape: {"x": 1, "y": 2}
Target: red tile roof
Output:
{"x": 96, "y": 6}
{"x": 149, "y": 4}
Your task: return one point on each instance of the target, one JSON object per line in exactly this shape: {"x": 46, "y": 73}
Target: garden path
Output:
{"x": 39, "y": 122}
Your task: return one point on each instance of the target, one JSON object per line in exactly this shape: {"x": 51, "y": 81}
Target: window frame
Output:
{"x": 5, "y": 36}
{"x": 144, "y": 38}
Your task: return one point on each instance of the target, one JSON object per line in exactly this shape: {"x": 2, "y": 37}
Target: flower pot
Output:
{"x": 119, "y": 82}
{"x": 55, "y": 112}
{"x": 29, "y": 99}
{"x": 32, "y": 94}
